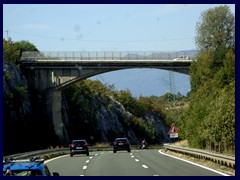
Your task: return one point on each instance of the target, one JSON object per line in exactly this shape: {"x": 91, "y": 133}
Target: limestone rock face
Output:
{"x": 25, "y": 112}
{"x": 15, "y": 90}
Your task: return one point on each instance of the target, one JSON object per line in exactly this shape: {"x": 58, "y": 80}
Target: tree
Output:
{"x": 210, "y": 120}
{"x": 216, "y": 29}
{"x": 126, "y": 99}
{"x": 215, "y": 37}
{"x": 12, "y": 51}
{"x": 24, "y": 46}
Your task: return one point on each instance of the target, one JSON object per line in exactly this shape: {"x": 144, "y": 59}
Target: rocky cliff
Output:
{"x": 25, "y": 115}
{"x": 15, "y": 90}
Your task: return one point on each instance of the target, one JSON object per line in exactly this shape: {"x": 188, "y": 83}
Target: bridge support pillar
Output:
{"x": 54, "y": 106}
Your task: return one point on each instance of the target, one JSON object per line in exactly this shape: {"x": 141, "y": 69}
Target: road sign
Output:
{"x": 173, "y": 132}
{"x": 174, "y": 135}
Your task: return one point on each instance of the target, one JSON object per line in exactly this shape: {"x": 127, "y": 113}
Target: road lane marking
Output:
{"x": 90, "y": 157}
{"x": 87, "y": 161}
{"x": 144, "y": 166}
{"x": 132, "y": 156}
{"x": 84, "y": 167}
{"x": 49, "y": 160}
{"x": 204, "y": 167}
{"x": 136, "y": 160}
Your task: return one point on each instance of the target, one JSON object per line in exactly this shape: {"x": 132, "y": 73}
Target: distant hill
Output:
{"x": 159, "y": 55}
{"x": 148, "y": 82}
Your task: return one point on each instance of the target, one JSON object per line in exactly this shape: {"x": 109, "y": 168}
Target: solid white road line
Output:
{"x": 49, "y": 160}
{"x": 160, "y": 151}
{"x": 144, "y": 166}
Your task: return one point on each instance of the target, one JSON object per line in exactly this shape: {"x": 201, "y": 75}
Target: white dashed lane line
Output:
{"x": 144, "y": 166}
{"x": 87, "y": 162}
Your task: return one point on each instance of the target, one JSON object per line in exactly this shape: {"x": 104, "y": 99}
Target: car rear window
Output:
{"x": 121, "y": 140}
{"x": 79, "y": 142}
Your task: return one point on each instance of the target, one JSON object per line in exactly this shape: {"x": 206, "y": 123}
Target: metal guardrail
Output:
{"x": 226, "y": 160}
{"x": 222, "y": 159}
{"x": 103, "y": 55}
{"x": 27, "y": 155}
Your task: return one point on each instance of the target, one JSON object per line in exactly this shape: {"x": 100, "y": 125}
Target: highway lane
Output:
{"x": 116, "y": 164}
{"x": 137, "y": 163}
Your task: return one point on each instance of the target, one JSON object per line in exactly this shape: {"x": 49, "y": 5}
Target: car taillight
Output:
{"x": 126, "y": 142}
{"x": 72, "y": 145}
{"x": 115, "y": 143}
{"x": 85, "y": 145}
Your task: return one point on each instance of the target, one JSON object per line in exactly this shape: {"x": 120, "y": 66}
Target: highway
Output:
{"x": 137, "y": 163}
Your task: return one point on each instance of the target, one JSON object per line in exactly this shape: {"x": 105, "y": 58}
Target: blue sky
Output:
{"x": 111, "y": 27}
{"x": 104, "y": 27}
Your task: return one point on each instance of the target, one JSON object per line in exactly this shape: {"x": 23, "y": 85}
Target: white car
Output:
{"x": 181, "y": 58}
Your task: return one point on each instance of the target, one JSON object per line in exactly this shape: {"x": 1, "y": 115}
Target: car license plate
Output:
{"x": 79, "y": 148}
{"x": 120, "y": 143}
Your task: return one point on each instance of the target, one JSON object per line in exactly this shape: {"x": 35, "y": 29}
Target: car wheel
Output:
{"x": 71, "y": 155}
{"x": 87, "y": 153}
{"x": 129, "y": 150}
{"x": 114, "y": 151}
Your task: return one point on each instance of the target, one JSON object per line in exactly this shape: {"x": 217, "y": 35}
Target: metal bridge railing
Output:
{"x": 105, "y": 55}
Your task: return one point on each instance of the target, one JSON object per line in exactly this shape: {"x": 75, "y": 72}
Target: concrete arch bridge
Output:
{"x": 52, "y": 72}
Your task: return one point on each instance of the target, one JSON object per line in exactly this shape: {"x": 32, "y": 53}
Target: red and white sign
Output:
{"x": 173, "y": 132}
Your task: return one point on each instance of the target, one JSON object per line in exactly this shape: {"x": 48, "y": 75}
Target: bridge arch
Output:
{"x": 66, "y": 84}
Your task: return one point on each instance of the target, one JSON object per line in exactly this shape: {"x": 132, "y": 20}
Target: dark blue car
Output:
{"x": 121, "y": 144}
{"x": 26, "y": 167}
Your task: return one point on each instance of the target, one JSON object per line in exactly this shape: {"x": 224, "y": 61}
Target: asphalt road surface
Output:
{"x": 137, "y": 163}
